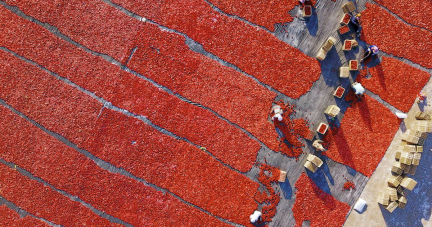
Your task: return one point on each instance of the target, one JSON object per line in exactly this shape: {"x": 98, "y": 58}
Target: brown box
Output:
{"x": 406, "y": 158}
{"x": 340, "y": 90}
{"x": 419, "y": 149}
{"x": 400, "y": 191}
{"x": 423, "y": 126}
{"x": 307, "y": 11}
{"x": 408, "y": 183}
{"x": 412, "y": 170}
{"x": 398, "y": 154}
{"x": 410, "y": 138}
{"x": 322, "y": 128}
{"x": 392, "y": 193}
{"x": 345, "y": 19}
{"x": 394, "y": 181}
{"x": 332, "y": 110}
{"x": 402, "y": 202}
{"x": 321, "y": 54}
{"x": 392, "y": 206}
{"x": 349, "y": 7}
{"x": 416, "y": 159}
{"x": 353, "y": 65}
{"x": 313, "y": 168}
{"x": 344, "y": 72}
{"x": 282, "y": 176}
{"x": 410, "y": 148}
{"x": 329, "y": 44}
{"x": 315, "y": 160}
{"x": 407, "y": 169}
{"x": 383, "y": 199}
{"x": 422, "y": 116}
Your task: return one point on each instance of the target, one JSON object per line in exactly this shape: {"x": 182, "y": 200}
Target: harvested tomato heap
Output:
{"x": 346, "y": 19}
{"x": 308, "y": 10}
{"x": 267, "y": 176}
{"x": 354, "y": 64}
{"x": 347, "y": 45}
{"x": 293, "y": 130}
{"x": 344, "y": 29}
{"x": 348, "y": 186}
{"x": 339, "y": 92}
{"x": 322, "y": 128}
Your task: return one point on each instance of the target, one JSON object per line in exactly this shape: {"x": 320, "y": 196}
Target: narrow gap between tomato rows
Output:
{"x": 196, "y": 46}
{"x": 215, "y": 8}
{"x": 55, "y": 31}
{"x": 101, "y": 163}
{"x": 398, "y": 17}
{"x": 71, "y": 197}
{"x": 109, "y": 105}
{"x": 22, "y": 212}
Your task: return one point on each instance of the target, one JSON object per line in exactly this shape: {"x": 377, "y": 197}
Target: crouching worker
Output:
{"x": 277, "y": 111}
{"x": 372, "y": 51}
{"x": 255, "y": 217}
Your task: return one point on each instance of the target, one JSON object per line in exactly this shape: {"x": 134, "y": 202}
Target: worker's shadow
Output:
{"x": 330, "y": 68}
{"x": 319, "y": 179}
{"x": 312, "y": 23}
{"x": 286, "y": 189}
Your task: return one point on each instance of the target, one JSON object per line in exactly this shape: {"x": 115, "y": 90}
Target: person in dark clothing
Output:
{"x": 355, "y": 21}
{"x": 371, "y": 51}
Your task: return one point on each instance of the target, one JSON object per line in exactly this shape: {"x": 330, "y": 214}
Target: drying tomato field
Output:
{"x": 159, "y": 113}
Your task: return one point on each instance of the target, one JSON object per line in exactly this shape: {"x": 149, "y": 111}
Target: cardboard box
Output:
{"x": 408, "y": 183}
{"x": 394, "y": 181}
{"x": 392, "y": 206}
{"x": 353, "y": 65}
{"x": 332, "y": 110}
{"x": 419, "y": 149}
{"x": 329, "y": 44}
{"x": 315, "y": 160}
{"x": 392, "y": 193}
{"x": 384, "y": 199}
{"x": 344, "y": 72}
{"x": 402, "y": 202}
{"x": 322, "y": 128}
{"x": 416, "y": 159}
{"x": 340, "y": 90}
{"x": 282, "y": 176}
{"x": 313, "y": 168}
{"x": 410, "y": 148}
{"x": 321, "y": 55}
{"x": 397, "y": 168}
{"x": 349, "y": 7}
{"x": 307, "y": 11}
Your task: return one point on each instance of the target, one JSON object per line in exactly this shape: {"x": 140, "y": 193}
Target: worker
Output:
{"x": 355, "y": 21}
{"x": 304, "y": 2}
{"x": 371, "y": 51}
{"x": 255, "y": 217}
{"x": 277, "y": 111}
{"x": 358, "y": 89}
